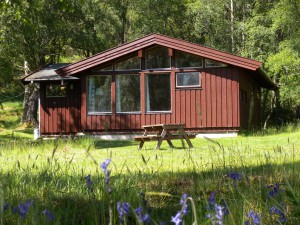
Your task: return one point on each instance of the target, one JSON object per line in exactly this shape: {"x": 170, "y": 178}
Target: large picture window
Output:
{"x": 190, "y": 79}
{"x": 158, "y": 92}
{"x": 99, "y": 94}
{"x": 128, "y": 93}
{"x": 133, "y": 63}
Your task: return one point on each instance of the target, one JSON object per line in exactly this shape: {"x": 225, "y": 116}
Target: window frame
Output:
{"x": 124, "y": 59}
{"x": 220, "y": 66}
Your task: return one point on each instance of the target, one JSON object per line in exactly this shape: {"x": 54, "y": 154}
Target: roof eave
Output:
{"x": 269, "y": 83}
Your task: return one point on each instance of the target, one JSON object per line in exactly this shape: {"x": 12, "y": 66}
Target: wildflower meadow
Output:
{"x": 247, "y": 180}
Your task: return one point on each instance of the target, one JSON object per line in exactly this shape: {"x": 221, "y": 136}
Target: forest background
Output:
{"x": 36, "y": 32}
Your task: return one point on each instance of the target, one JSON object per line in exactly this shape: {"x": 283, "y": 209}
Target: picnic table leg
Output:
{"x": 141, "y": 144}
{"x": 186, "y": 139}
{"x": 163, "y": 134}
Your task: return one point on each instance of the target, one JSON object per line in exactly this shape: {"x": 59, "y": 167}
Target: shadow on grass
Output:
{"x": 68, "y": 198}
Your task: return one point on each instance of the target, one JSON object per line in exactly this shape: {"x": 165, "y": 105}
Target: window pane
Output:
{"x": 184, "y": 60}
{"x": 133, "y": 63}
{"x": 128, "y": 93}
{"x": 105, "y": 68}
{"x": 157, "y": 57}
{"x": 188, "y": 79}
{"x": 55, "y": 90}
{"x": 213, "y": 63}
{"x": 158, "y": 92}
{"x": 99, "y": 93}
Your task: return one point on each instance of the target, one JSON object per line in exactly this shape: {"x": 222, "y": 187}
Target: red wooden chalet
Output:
{"x": 153, "y": 80}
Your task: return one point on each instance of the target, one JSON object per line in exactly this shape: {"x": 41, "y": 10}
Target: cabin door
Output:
{"x": 60, "y": 108}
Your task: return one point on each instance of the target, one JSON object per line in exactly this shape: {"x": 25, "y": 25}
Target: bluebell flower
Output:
{"x": 212, "y": 200}
{"x": 216, "y": 215}
{"x": 49, "y": 215}
{"x": 89, "y": 182}
{"x": 104, "y": 165}
{"x": 142, "y": 218}
{"x": 22, "y": 208}
{"x": 177, "y": 219}
{"x": 235, "y": 176}
{"x": 254, "y": 217}
{"x": 184, "y": 204}
{"x": 123, "y": 209}
{"x": 5, "y": 207}
{"x": 274, "y": 190}
{"x": 280, "y": 212}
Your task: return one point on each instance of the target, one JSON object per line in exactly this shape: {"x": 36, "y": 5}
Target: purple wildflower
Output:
{"x": 212, "y": 200}
{"x": 177, "y": 219}
{"x": 5, "y": 207}
{"x": 216, "y": 215}
{"x": 49, "y": 215}
{"x": 107, "y": 174}
{"x": 254, "y": 217}
{"x": 142, "y": 218}
{"x": 22, "y": 208}
{"x": 184, "y": 204}
{"x": 89, "y": 182}
{"x": 235, "y": 176}
{"x": 280, "y": 212}
{"x": 123, "y": 209}
{"x": 104, "y": 165}
{"x": 274, "y": 190}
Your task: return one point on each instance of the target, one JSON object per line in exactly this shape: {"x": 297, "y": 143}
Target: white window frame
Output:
{"x": 188, "y": 86}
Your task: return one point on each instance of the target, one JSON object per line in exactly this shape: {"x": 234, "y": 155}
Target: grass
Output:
{"x": 51, "y": 173}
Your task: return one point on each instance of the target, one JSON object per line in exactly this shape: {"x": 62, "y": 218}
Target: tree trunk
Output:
{"x": 30, "y": 102}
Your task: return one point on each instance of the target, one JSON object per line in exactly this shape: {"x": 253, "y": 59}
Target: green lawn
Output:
{"x": 51, "y": 173}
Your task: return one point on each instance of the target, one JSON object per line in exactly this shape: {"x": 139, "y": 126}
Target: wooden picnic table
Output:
{"x": 164, "y": 132}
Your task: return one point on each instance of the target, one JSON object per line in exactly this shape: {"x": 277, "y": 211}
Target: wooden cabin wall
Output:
{"x": 251, "y": 108}
{"x": 60, "y": 115}
{"x": 213, "y": 107}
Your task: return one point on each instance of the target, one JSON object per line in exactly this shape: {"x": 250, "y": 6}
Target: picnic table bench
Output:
{"x": 164, "y": 132}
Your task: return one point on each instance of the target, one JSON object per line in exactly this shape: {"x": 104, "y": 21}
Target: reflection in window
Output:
{"x": 128, "y": 93}
{"x": 133, "y": 63}
{"x": 104, "y": 68}
{"x": 158, "y": 93}
{"x": 185, "y": 60}
{"x": 191, "y": 79}
{"x": 55, "y": 90}
{"x": 99, "y": 93}
{"x": 158, "y": 57}
{"x": 213, "y": 63}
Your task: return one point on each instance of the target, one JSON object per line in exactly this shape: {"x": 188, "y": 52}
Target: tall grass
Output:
{"x": 51, "y": 173}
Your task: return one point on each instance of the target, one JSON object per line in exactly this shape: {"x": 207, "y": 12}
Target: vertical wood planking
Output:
{"x": 188, "y": 108}
{"x": 193, "y": 114}
{"x": 183, "y": 107}
{"x": 203, "y": 100}
{"x": 224, "y": 101}
{"x": 219, "y": 101}
{"x": 83, "y": 110}
{"x": 213, "y": 100}
{"x": 235, "y": 98}
{"x": 208, "y": 99}
{"x": 229, "y": 98}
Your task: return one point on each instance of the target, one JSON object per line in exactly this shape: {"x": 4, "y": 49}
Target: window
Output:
{"x": 133, "y": 63}
{"x": 158, "y": 57}
{"x": 185, "y": 60}
{"x": 158, "y": 92}
{"x": 191, "y": 79}
{"x": 128, "y": 93}
{"x": 99, "y": 94}
{"x": 213, "y": 63}
{"x": 105, "y": 68}
{"x": 55, "y": 90}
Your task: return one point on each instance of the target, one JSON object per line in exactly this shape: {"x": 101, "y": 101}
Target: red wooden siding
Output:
{"x": 214, "y": 106}
{"x": 60, "y": 115}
